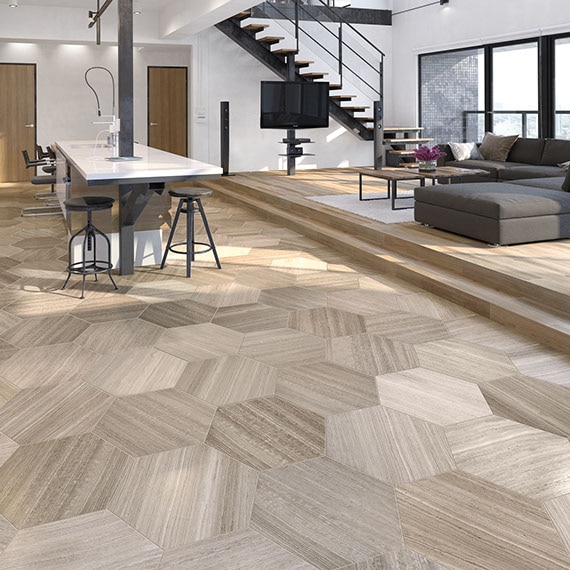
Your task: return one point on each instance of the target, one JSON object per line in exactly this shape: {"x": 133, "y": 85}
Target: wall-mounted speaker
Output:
{"x": 225, "y": 137}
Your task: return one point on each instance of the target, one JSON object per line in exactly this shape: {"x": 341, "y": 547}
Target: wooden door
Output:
{"x": 168, "y": 109}
{"x": 17, "y": 120}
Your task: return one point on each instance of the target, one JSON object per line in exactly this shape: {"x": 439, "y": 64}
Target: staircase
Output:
{"x": 299, "y": 23}
{"x": 400, "y": 145}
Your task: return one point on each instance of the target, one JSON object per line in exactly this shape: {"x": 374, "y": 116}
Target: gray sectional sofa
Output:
{"x": 527, "y": 199}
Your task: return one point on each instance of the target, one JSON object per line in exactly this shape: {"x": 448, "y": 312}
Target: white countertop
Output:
{"x": 89, "y": 159}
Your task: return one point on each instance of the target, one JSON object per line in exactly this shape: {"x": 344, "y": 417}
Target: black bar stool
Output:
{"x": 189, "y": 199}
{"x": 91, "y": 266}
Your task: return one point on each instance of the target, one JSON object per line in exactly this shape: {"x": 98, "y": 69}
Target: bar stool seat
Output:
{"x": 91, "y": 265}
{"x": 190, "y": 201}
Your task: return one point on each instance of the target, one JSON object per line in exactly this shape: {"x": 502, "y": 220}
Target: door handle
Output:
{"x": 30, "y": 126}
{"x": 154, "y": 124}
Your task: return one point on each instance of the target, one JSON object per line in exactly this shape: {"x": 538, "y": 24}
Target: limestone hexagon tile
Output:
{"x": 403, "y": 559}
{"x": 45, "y": 242}
{"x": 371, "y": 354}
{"x": 233, "y": 551}
{"x": 283, "y": 347}
{"x": 544, "y": 363}
{"x": 119, "y": 336}
{"x": 251, "y": 318}
{"x": 267, "y": 432}
{"x": 161, "y": 291}
{"x": 115, "y": 308}
{"x": 7, "y": 321}
{"x": 328, "y": 514}
{"x": 326, "y": 388}
{"x": 264, "y": 278}
{"x": 559, "y": 512}
{"x": 526, "y": 400}
{"x": 7, "y": 533}
{"x": 327, "y": 322}
{"x": 94, "y": 540}
{"x": 461, "y": 521}
{"x": 518, "y": 457}
{"x": 465, "y": 360}
{"x": 328, "y": 281}
{"x": 155, "y": 421}
{"x": 228, "y": 379}
{"x": 7, "y": 391}
{"x": 45, "y": 331}
{"x": 386, "y": 444}
{"x": 406, "y": 327}
{"x": 7, "y": 448}
{"x": 299, "y": 264}
{"x": 431, "y": 305}
{"x": 200, "y": 342}
{"x": 432, "y": 396}
{"x": 293, "y": 298}
{"x": 178, "y": 313}
{"x": 225, "y": 295}
{"x": 55, "y": 480}
{"x": 43, "y": 304}
{"x": 136, "y": 371}
{"x": 53, "y": 412}
{"x": 363, "y": 301}
{"x": 59, "y": 363}
{"x": 176, "y": 485}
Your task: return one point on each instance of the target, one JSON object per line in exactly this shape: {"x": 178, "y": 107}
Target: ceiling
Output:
{"x": 92, "y": 4}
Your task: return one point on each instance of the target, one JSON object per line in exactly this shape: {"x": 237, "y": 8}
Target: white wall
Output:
{"x": 460, "y": 23}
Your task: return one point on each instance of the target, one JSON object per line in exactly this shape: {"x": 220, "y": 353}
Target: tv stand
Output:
{"x": 294, "y": 150}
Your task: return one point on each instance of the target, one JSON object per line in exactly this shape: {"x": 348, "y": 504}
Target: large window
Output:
{"x": 516, "y": 88}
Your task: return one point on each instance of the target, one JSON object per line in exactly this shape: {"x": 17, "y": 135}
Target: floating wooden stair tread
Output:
{"x": 301, "y": 63}
{"x": 314, "y": 74}
{"x": 356, "y": 108}
{"x": 410, "y": 164}
{"x": 333, "y": 86}
{"x": 407, "y": 141}
{"x": 401, "y": 152}
{"x": 342, "y": 97}
{"x": 243, "y": 15}
{"x": 255, "y": 27}
{"x": 284, "y": 51}
{"x": 402, "y": 129}
{"x": 270, "y": 39}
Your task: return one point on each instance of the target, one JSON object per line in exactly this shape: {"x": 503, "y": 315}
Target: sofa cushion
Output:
{"x": 464, "y": 151}
{"x": 566, "y": 182}
{"x": 529, "y": 171}
{"x": 491, "y": 166}
{"x": 551, "y": 183}
{"x": 496, "y": 147}
{"x": 496, "y": 200}
{"x": 527, "y": 151}
{"x": 555, "y": 152}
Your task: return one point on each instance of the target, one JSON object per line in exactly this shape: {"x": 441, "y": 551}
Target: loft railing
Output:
{"x": 327, "y": 34}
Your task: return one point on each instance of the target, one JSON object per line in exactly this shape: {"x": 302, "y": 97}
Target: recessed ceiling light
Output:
{"x": 137, "y": 12}
{"x": 13, "y": 4}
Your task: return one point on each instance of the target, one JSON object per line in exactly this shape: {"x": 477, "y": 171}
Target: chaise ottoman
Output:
{"x": 499, "y": 213}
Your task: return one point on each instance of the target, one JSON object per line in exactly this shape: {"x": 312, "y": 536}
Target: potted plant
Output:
{"x": 427, "y": 157}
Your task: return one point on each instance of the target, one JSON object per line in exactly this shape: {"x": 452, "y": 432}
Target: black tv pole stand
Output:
{"x": 294, "y": 150}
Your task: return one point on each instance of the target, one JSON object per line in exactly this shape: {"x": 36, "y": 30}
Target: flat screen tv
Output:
{"x": 294, "y": 105}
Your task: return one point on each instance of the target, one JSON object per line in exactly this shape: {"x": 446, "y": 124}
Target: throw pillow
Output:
{"x": 496, "y": 147}
{"x": 566, "y": 184}
{"x": 465, "y": 151}
{"x": 564, "y": 165}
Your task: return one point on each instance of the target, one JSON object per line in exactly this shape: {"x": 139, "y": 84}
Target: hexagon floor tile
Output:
{"x": 7, "y": 448}
{"x": 293, "y": 298}
{"x": 251, "y": 318}
{"x": 406, "y": 327}
{"x": 7, "y": 533}
{"x": 462, "y": 521}
{"x": 403, "y": 559}
{"x": 228, "y": 379}
{"x": 518, "y": 457}
{"x": 155, "y": 421}
{"x": 558, "y": 510}
{"x": 394, "y": 447}
{"x": 178, "y": 313}
{"x": 54, "y": 480}
{"x": 266, "y": 433}
{"x": 363, "y": 301}
{"x": 94, "y": 540}
{"x": 328, "y": 514}
{"x": 175, "y": 486}
{"x": 327, "y": 322}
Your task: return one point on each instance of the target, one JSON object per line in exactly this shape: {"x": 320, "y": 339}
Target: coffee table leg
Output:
{"x": 360, "y": 186}
{"x": 394, "y": 192}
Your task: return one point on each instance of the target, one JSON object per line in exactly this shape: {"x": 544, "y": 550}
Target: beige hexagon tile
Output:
{"x": 389, "y": 445}
{"x": 327, "y": 322}
{"x": 264, "y": 278}
{"x": 228, "y": 379}
{"x": 406, "y": 327}
{"x": 44, "y": 331}
{"x": 93, "y": 540}
{"x": 432, "y": 396}
{"x": 58, "y": 479}
{"x": 295, "y": 506}
{"x": 233, "y": 551}
{"x": 136, "y": 371}
{"x": 161, "y": 291}
{"x": 163, "y": 495}
{"x": 119, "y": 336}
{"x": 267, "y": 432}
{"x": 283, "y": 347}
{"x": 328, "y": 281}
{"x": 7, "y": 391}
{"x": 200, "y": 342}
{"x": 326, "y": 388}
{"x": 7, "y": 533}
{"x": 363, "y": 301}
{"x": 464, "y": 360}
{"x": 155, "y": 421}
{"x": 543, "y": 363}
{"x": 50, "y": 412}
{"x": 430, "y": 305}
{"x": 385, "y": 283}
{"x": 178, "y": 313}
{"x": 59, "y": 363}
{"x": 251, "y": 318}
{"x": 402, "y": 559}
{"x": 108, "y": 308}
{"x": 462, "y": 521}
{"x": 225, "y": 295}
{"x": 299, "y": 265}
{"x": 518, "y": 457}
{"x": 293, "y": 298}
{"x": 7, "y": 448}
{"x": 371, "y": 354}
{"x": 558, "y": 510}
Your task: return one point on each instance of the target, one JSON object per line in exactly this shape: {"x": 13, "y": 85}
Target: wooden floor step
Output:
{"x": 270, "y": 40}
{"x": 355, "y": 108}
{"x": 284, "y": 51}
{"x": 303, "y": 63}
{"x": 401, "y": 152}
{"x": 407, "y": 141}
{"x": 342, "y": 97}
{"x": 314, "y": 74}
{"x": 334, "y": 86}
{"x": 255, "y": 27}
{"x": 402, "y": 129}
{"x": 243, "y": 15}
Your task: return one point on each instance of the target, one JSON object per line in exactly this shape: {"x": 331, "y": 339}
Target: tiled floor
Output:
{"x": 293, "y": 410}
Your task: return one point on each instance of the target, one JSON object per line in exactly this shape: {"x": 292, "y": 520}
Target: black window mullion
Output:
{"x": 488, "y": 51}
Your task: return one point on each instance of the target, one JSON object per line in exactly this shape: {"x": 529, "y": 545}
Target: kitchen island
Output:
{"x": 138, "y": 186}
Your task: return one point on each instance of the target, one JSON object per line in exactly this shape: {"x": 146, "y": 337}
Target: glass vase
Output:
{"x": 427, "y": 165}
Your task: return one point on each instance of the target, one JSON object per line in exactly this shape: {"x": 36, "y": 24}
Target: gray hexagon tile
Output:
{"x": 327, "y": 322}
{"x": 178, "y": 313}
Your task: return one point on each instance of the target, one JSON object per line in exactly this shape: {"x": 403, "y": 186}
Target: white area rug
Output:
{"x": 379, "y": 210}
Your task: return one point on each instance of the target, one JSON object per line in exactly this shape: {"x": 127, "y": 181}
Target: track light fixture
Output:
{"x": 442, "y": 2}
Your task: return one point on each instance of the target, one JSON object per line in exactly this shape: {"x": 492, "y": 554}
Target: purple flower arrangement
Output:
{"x": 426, "y": 153}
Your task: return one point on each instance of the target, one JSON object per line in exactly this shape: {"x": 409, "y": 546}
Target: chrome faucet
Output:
{"x": 113, "y": 121}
